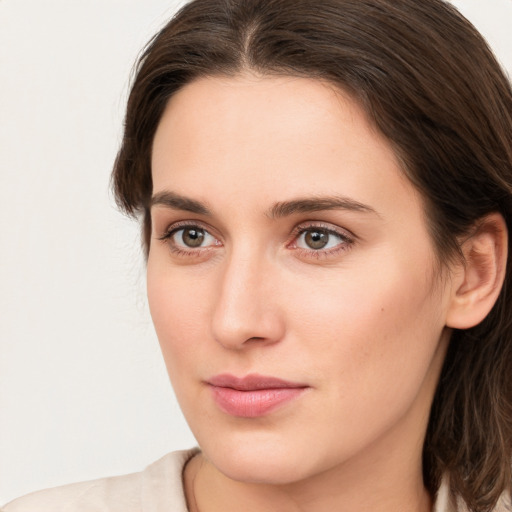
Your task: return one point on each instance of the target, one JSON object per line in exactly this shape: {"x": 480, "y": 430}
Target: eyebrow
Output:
{"x": 316, "y": 204}
{"x": 176, "y": 201}
{"x": 179, "y": 202}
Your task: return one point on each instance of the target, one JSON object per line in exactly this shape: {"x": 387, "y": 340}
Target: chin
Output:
{"x": 260, "y": 461}
{"x": 259, "y": 469}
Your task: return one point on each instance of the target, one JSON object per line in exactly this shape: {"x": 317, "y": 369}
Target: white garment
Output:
{"x": 159, "y": 488}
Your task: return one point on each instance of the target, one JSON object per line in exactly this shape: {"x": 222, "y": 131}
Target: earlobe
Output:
{"x": 477, "y": 281}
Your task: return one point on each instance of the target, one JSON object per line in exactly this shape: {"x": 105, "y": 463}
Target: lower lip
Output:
{"x": 253, "y": 403}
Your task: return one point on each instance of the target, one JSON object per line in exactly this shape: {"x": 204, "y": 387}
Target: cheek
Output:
{"x": 369, "y": 341}
{"x": 177, "y": 313}
{"x": 369, "y": 325}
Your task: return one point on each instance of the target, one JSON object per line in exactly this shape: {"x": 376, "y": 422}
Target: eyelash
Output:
{"x": 347, "y": 239}
{"x": 181, "y": 251}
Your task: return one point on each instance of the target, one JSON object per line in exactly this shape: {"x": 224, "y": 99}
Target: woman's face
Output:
{"x": 291, "y": 280}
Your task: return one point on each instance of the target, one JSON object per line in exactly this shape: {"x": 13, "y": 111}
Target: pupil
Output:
{"x": 317, "y": 239}
{"x": 193, "y": 237}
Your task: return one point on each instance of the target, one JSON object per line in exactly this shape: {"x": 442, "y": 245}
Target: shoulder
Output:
{"x": 158, "y": 487}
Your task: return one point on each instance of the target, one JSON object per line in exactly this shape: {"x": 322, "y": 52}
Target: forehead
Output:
{"x": 271, "y": 136}
{"x": 282, "y": 106}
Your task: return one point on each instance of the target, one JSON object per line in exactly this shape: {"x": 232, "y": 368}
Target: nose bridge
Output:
{"x": 243, "y": 308}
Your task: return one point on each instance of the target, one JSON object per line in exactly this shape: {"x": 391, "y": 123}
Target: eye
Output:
{"x": 316, "y": 239}
{"x": 185, "y": 239}
{"x": 191, "y": 237}
{"x": 321, "y": 240}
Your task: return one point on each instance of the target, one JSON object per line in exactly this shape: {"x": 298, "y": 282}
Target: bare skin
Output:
{"x": 287, "y": 242}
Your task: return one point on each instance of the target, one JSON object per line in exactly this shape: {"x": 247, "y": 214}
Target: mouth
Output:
{"x": 254, "y": 395}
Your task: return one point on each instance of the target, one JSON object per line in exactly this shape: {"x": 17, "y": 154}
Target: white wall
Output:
{"x": 83, "y": 391}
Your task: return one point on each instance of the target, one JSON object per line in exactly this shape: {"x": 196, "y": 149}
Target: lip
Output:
{"x": 254, "y": 395}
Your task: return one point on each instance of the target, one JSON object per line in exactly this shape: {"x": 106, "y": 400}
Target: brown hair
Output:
{"x": 429, "y": 82}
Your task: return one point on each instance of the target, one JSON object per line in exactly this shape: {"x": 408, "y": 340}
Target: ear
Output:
{"x": 477, "y": 281}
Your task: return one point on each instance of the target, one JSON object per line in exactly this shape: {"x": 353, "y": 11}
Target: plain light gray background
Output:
{"x": 83, "y": 390}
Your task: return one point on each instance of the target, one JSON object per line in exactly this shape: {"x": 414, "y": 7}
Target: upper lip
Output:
{"x": 252, "y": 382}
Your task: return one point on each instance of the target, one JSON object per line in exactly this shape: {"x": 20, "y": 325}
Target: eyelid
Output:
{"x": 183, "y": 250}
{"x": 348, "y": 239}
{"x": 181, "y": 224}
{"x": 325, "y": 226}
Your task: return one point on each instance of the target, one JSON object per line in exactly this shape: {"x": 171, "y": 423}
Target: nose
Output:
{"x": 246, "y": 310}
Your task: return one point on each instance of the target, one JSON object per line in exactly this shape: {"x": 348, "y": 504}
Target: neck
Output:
{"x": 355, "y": 485}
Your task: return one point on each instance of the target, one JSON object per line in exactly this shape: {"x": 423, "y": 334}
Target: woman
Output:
{"x": 326, "y": 192}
